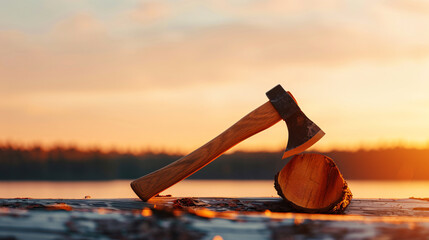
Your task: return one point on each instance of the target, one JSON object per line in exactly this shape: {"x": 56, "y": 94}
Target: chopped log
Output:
{"x": 311, "y": 182}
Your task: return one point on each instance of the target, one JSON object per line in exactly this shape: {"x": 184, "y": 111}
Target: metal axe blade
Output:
{"x": 302, "y": 134}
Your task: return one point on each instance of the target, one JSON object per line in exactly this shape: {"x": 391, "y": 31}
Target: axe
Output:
{"x": 281, "y": 105}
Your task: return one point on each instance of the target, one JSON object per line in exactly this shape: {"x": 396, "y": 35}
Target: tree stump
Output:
{"x": 311, "y": 182}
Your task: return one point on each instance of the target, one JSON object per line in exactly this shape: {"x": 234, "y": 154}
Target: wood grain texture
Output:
{"x": 259, "y": 119}
{"x": 311, "y": 182}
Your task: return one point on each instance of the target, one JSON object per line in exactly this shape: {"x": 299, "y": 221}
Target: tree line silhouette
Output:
{"x": 68, "y": 164}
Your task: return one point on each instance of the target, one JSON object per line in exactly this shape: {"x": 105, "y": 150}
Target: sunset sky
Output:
{"x": 171, "y": 75}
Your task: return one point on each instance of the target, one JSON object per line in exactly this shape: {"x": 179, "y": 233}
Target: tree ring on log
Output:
{"x": 311, "y": 182}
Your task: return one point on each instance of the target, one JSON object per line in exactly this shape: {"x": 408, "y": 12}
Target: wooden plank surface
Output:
{"x": 243, "y": 218}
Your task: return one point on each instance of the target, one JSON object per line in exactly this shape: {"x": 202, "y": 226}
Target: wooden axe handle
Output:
{"x": 153, "y": 183}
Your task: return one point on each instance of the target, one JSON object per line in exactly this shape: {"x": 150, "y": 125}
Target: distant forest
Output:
{"x": 68, "y": 164}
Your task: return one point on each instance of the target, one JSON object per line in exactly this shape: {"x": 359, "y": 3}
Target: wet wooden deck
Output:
{"x": 226, "y": 218}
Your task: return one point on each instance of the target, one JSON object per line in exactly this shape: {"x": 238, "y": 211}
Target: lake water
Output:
{"x": 199, "y": 188}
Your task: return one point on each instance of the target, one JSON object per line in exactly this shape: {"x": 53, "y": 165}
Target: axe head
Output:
{"x": 303, "y": 132}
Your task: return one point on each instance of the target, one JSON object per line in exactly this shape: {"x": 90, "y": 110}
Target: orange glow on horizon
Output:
{"x": 158, "y": 150}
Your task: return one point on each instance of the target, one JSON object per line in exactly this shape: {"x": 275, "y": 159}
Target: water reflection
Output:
{"x": 198, "y": 188}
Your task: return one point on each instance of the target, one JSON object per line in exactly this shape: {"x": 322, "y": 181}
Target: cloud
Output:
{"x": 94, "y": 61}
{"x": 410, "y": 6}
{"x": 82, "y": 25}
{"x": 149, "y": 12}
{"x": 83, "y": 52}
{"x": 276, "y": 8}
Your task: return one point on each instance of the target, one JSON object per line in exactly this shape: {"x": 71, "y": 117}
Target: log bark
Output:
{"x": 311, "y": 182}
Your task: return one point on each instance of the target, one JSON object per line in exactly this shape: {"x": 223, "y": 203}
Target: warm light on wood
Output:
{"x": 259, "y": 119}
{"x": 312, "y": 183}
